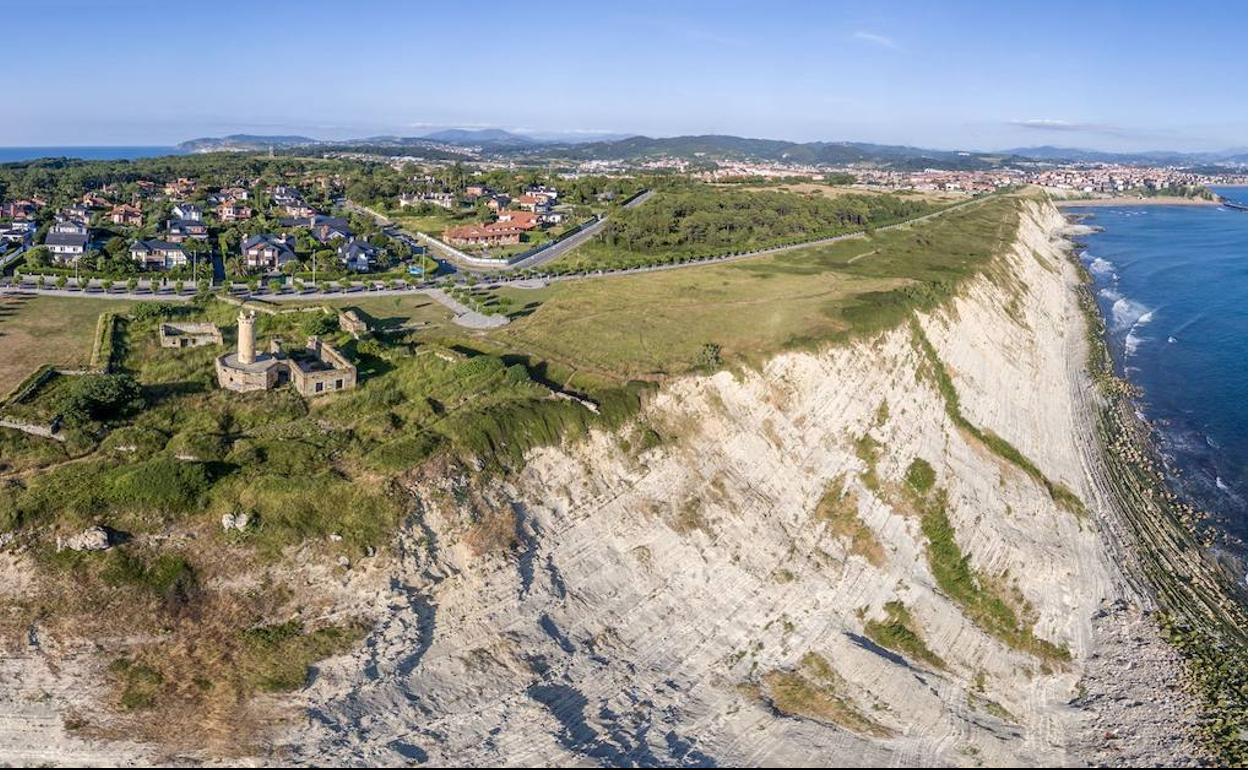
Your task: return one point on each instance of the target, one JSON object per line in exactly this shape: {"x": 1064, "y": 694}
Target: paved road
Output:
{"x": 536, "y": 260}
{"x": 467, "y": 317}
{"x": 464, "y": 315}
{"x": 575, "y": 240}
{"x": 605, "y": 273}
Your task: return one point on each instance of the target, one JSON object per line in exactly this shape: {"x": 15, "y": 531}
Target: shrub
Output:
{"x": 99, "y": 397}
{"x": 161, "y": 484}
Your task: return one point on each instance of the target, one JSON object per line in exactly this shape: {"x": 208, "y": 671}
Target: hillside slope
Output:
{"x": 769, "y": 569}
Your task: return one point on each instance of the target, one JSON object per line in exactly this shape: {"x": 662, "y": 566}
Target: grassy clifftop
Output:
{"x": 674, "y": 322}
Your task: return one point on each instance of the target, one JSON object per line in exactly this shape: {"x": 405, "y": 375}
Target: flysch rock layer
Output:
{"x": 650, "y": 593}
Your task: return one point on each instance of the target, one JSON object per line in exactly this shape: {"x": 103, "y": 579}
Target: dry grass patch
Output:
{"x": 47, "y": 330}
{"x": 838, "y": 509}
{"x": 493, "y": 532}
{"x": 815, "y": 691}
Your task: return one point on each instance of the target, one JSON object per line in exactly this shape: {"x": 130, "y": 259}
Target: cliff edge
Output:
{"x": 887, "y": 552}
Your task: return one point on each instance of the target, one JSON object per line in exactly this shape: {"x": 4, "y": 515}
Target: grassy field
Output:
{"x": 435, "y": 222}
{"x": 836, "y": 191}
{"x": 46, "y": 330}
{"x": 662, "y": 323}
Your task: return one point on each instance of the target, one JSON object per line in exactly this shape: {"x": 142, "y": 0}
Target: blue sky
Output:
{"x": 972, "y": 75}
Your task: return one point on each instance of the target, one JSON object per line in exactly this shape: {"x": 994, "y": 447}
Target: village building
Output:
{"x": 180, "y": 187}
{"x": 158, "y": 255}
{"x": 182, "y": 230}
{"x": 233, "y": 211}
{"x": 18, "y": 232}
{"x": 494, "y": 234}
{"x": 188, "y": 212}
{"x": 267, "y": 251}
{"x": 525, "y": 220}
{"x": 126, "y": 215}
{"x": 317, "y": 369}
{"x": 445, "y": 200}
{"x": 323, "y": 228}
{"x": 20, "y": 210}
{"x": 67, "y": 241}
{"x": 359, "y": 256}
{"x": 189, "y": 335}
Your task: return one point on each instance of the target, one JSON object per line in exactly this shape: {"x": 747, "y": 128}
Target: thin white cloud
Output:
{"x": 881, "y": 40}
{"x": 1065, "y": 126}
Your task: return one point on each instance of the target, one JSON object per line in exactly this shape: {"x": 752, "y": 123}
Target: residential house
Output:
{"x": 497, "y": 202}
{"x": 19, "y": 211}
{"x": 188, "y": 212}
{"x": 233, "y": 211}
{"x": 267, "y": 251}
{"x": 445, "y": 200}
{"x": 525, "y": 220}
{"x": 324, "y": 228}
{"x": 494, "y": 234}
{"x": 19, "y": 233}
{"x": 78, "y": 213}
{"x": 298, "y": 209}
{"x": 358, "y": 255}
{"x": 181, "y": 230}
{"x": 67, "y": 244}
{"x": 180, "y": 187}
{"x": 70, "y": 226}
{"x": 126, "y": 215}
{"x": 157, "y": 255}
{"x": 536, "y": 203}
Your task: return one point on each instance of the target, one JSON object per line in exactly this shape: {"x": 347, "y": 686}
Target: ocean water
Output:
{"x": 1172, "y": 284}
{"x": 14, "y": 154}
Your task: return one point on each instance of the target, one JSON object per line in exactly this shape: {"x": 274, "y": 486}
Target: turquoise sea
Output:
{"x": 1172, "y": 283}
{"x": 14, "y": 154}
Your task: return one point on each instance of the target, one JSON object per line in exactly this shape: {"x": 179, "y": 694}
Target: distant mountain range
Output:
{"x": 711, "y": 147}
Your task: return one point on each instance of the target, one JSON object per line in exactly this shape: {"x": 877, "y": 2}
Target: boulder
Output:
{"x": 236, "y": 521}
{"x": 90, "y": 539}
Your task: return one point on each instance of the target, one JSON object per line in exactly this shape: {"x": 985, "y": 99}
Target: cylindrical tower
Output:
{"x": 246, "y": 337}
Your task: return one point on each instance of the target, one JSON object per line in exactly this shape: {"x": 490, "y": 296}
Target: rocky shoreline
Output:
{"x": 1195, "y": 602}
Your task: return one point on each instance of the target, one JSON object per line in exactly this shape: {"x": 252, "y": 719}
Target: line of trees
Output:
{"x": 705, "y": 220}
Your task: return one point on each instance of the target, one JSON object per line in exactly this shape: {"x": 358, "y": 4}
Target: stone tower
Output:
{"x": 246, "y": 337}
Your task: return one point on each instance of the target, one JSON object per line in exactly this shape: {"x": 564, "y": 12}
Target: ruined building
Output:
{"x": 317, "y": 368}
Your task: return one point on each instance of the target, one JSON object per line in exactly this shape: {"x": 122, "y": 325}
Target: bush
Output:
{"x": 160, "y": 485}
{"x": 146, "y": 311}
{"x": 319, "y": 325}
{"x": 100, "y": 397}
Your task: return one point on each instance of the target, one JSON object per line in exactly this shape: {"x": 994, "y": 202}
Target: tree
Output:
{"x": 99, "y": 397}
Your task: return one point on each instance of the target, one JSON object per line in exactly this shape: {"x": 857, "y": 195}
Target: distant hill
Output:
{"x": 243, "y": 142}
{"x": 717, "y": 147}
{"x": 484, "y": 136}
{"x": 496, "y": 142}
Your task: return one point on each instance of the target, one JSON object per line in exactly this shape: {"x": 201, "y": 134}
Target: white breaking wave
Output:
{"x": 1101, "y": 266}
{"x": 1133, "y": 339}
{"x": 1126, "y": 313}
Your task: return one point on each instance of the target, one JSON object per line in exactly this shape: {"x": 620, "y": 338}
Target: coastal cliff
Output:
{"x": 887, "y": 552}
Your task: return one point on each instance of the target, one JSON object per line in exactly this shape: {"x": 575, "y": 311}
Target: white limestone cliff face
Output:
{"x": 649, "y": 593}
